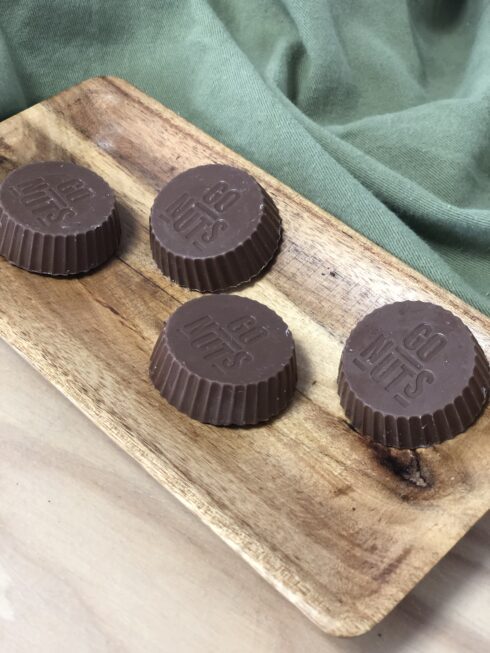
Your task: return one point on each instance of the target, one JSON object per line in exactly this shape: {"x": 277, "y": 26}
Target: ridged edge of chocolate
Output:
{"x": 231, "y": 269}
{"x": 220, "y": 403}
{"x": 423, "y": 430}
{"x": 58, "y": 255}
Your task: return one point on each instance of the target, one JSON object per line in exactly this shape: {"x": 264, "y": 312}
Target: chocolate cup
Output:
{"x": 213, "y": 227}
{"x": 412, "y": 375}
{"x": 225, "y": 360}
{"x": 57, "y": 218}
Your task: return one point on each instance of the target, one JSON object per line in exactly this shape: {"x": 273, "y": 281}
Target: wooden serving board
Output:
{"x": 343, "y": 529}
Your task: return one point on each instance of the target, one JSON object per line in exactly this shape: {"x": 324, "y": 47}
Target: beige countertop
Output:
{"x": 96, "y": 556}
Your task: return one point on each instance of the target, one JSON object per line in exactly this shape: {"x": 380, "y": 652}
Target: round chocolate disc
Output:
{"x": 412, "y": 375}
{"x": 224, "y": 359}
{"x": 213, "y": 227}
{"x": 57, "y": 218}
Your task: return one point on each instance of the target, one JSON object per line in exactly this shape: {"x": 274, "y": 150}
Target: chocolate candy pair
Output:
{"x": 220, "y": 359}
{"x": 212, "y": 227}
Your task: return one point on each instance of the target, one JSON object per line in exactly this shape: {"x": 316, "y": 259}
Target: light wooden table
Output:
{"x": 96, "y": 556}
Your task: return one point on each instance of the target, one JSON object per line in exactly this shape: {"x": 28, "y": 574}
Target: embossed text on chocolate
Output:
{"x": 52, "y": 203}
{"x": 225, "y": 346}
{"x": 403, "y": 368}
{"x": 201, "y": 219}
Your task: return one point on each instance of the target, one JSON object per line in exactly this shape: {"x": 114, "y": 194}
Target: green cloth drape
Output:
{"x": 379, "y": 111}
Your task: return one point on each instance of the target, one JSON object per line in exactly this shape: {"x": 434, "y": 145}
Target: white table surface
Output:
{"x": 96, "y": 556}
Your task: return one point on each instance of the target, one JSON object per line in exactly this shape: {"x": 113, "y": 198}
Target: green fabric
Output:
{"x": 378, "y": 111}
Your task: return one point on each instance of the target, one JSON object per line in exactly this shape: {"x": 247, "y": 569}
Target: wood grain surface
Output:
{"x": 342, "y": 529}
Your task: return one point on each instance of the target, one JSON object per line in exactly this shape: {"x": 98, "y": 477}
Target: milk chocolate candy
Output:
{"x": 213, "y": 227}
{"x": 224, "y": 359}
{"x": 412, "y": 375}
{"x": 57, "y": 218}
